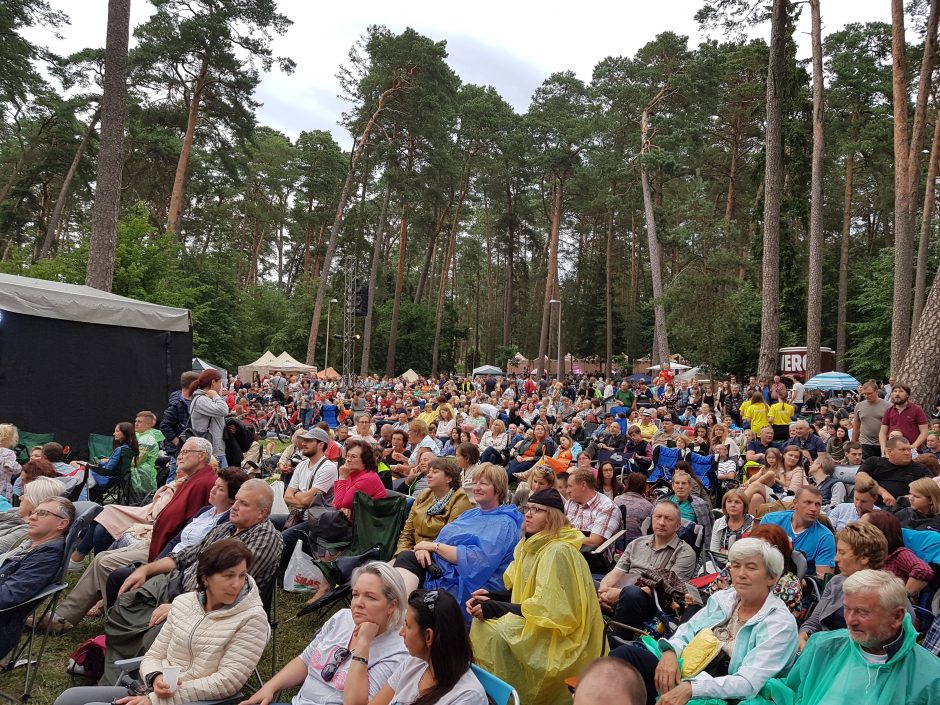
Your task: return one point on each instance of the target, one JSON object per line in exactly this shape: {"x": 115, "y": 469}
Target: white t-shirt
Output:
{"x": 467, "y": 691}
{"x": 321, "y": 475}
{"x": 797, "y": 393}
{"x": 386, "y": 653}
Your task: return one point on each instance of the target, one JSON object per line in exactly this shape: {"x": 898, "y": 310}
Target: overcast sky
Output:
{"x": 510, "y": 44}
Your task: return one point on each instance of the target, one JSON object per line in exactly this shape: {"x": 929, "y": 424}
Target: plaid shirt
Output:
{"x": 263, "y": 539}
{"x": 598, "y": 515}
{"x": 932, "y": 640}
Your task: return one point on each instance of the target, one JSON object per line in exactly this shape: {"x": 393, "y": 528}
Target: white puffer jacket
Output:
{"x": 217, "y": 652}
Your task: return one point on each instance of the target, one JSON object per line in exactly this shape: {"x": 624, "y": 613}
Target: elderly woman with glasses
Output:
{"x": 754, "y": 631}
{"x": 365, "y": 635}
{"x": 549, "y": 626}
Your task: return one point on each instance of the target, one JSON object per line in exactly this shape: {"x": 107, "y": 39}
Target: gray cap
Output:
{"x": 314, "y": 434}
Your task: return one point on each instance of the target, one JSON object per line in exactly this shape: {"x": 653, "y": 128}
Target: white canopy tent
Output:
{"x": 672, "y": 366}
{"x": 269, "y": 363}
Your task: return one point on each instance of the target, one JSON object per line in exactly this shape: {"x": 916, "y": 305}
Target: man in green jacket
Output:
{"x": 876, "y": 660}
{"x": 144, "y": 476}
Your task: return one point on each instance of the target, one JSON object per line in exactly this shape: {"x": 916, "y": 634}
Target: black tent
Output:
{"x": 75, "y": 360}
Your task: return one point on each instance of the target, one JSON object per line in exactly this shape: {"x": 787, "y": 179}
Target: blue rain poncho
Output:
{"x": 485, "y": 541}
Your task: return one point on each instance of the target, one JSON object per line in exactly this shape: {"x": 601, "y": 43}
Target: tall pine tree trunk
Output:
{"x": 448, "y": 254}
{"x": 921, "y": 366}
{"x": 400, "y": 273}
{"x": 100, "y": 271}
{"x": 906, "y": 154}
{"x": 550, "y": 271}
{"x": 373, "y": 283}
{"x": 397, "y": 86}
{"x": 608, "y": 301}
{"x": 926, "y": 226}
{"x": 53, "y": 224}
{"x": 508, "y": 291}
{"x": 814, "y": 294}
{"x": 174, "y": 217}
{"x": 844, "y": 262}
{"x": 660, "y": 338}
{"x": 773, "y": 188}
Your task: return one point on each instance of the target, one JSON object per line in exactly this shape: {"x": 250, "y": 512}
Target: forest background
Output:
{"x": 638, "y": 197}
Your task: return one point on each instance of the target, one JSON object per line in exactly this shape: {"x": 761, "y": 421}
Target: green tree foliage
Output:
{"x": 486, "y": 208}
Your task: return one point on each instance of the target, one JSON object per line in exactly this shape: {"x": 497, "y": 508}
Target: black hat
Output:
{"x": 548, "y": 498}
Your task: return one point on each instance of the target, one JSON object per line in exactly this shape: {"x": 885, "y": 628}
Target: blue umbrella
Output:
{"x": 833, "y": 382}
{"x": 638, "y": 377}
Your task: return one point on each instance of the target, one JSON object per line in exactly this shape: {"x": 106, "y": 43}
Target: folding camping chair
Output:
{"x": 119, "y": 489}
{"x": 376, "y": 526}
{"x": 40, "y": 605}
{"x": 29, "y": 440}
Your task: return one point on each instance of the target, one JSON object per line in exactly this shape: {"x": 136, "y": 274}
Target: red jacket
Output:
{"x": 192, "y": 496}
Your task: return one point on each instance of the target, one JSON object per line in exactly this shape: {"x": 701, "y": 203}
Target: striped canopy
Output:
{"x": 833, "y": 382}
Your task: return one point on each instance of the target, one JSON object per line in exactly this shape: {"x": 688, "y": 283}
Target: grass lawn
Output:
{"x": 51, "y": 680}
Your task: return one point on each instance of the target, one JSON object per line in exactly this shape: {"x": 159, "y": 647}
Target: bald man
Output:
{"x": 610, "y": 681}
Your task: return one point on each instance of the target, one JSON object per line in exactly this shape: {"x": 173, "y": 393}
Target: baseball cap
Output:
{"x": 314, "y": 434}
{"x": 646, "y": 412}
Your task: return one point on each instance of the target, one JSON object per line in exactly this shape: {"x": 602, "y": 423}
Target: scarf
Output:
{"x": 440, "y": 505}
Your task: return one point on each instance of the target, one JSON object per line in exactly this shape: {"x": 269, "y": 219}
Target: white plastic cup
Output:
{"x": 171, "y": 676}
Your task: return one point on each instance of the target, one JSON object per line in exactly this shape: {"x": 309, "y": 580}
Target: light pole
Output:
{"x": 558, "y": 366}
{"x": 326, "y": 355}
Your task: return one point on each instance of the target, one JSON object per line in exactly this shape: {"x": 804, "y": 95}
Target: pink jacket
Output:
{"x": 365, "y": 481}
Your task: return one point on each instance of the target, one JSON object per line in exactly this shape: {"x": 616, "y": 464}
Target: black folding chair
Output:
{"x": 41, "y": 606}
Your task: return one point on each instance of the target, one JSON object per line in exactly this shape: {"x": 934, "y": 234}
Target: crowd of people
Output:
{"x": 767, "y": 542}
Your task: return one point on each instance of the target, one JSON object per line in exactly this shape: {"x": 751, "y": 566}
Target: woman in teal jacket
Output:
{"x": 757, "y": 632}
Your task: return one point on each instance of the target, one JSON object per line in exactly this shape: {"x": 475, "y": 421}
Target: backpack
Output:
{"x": 87, "y": 661}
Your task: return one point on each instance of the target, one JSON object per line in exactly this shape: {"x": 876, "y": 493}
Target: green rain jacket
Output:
{"x": 832, "y": 671}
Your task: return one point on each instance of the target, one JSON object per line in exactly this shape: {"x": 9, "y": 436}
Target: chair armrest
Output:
{"x": 49, "y": 591}
{"x": 127, "y": 664}
{"x": 609, "y": 542}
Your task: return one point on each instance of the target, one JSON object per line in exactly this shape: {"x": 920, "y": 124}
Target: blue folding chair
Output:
{"x": 498, "y": 690}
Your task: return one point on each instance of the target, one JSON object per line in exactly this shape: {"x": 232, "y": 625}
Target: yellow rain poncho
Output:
{"x": 561, "y": 629}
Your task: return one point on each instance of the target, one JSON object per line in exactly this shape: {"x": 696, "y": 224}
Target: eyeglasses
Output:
{"x": 430, "y": 599}
{"x": 338, "y": 659}
{"x": 189, "y": 450}
{"x": 42, "y": 513}
{"x": 532, "y": 509}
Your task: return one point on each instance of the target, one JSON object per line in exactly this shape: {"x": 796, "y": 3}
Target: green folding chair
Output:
{"x": 376, "y": 526}
{"x": 29, "y": 440}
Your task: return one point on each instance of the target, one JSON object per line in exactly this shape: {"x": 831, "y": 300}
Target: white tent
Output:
{"x": 672, "y": 366}
{"x": 268, "y": 363}
{"x": 487, "y": 370}
{"x": 410, "y": 376}
{"x": 285, "y": 363}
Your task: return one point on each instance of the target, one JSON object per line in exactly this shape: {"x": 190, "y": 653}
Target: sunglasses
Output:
{"x": 430, "y": 600}
{"x": 338, "y": 659}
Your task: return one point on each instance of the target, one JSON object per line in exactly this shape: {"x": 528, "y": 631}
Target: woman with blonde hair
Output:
{"x": 924, "y": 509}
{"x": 547, "y": 626}
{"x": 9, "y": 466}
{"x": 493, "y": 443}
{"x": 473, "y": 551}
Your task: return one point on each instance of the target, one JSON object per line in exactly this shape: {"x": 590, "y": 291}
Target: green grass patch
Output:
{"x": 51, "y": 679}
